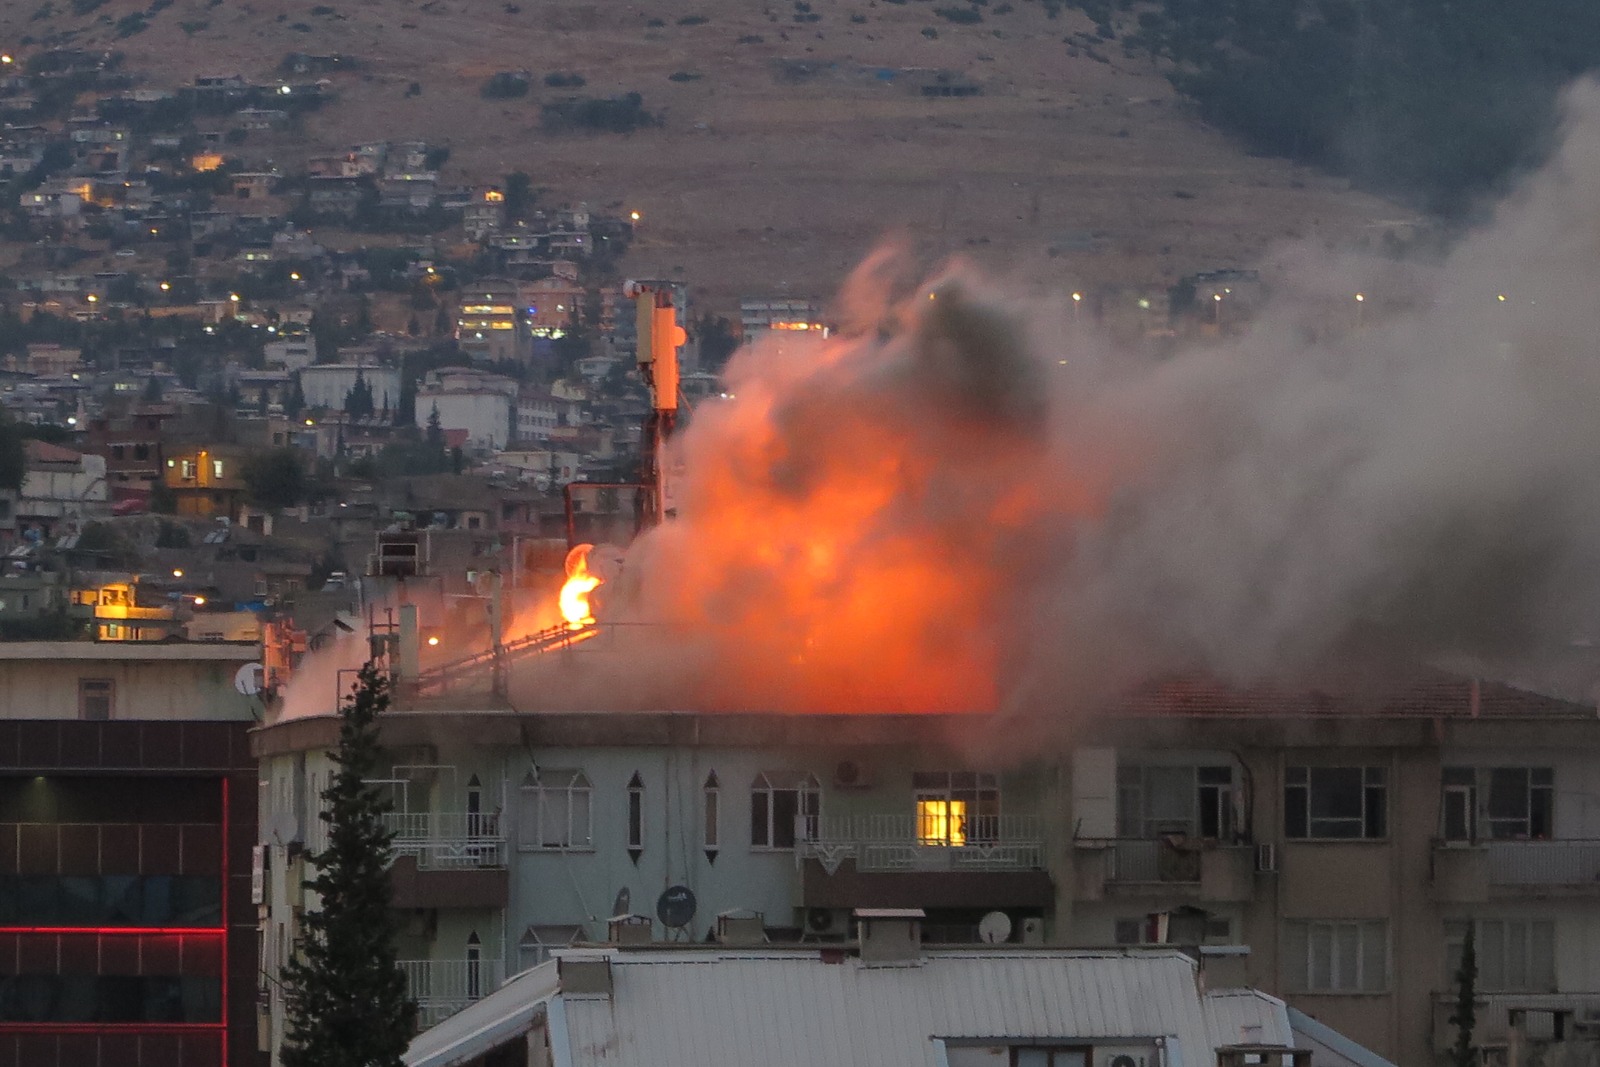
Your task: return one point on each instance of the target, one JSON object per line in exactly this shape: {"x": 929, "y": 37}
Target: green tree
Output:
{"x": 275, "y": 479}
{"x": 358, "y": 401}
{"x": 1465, "y": 1017}
{"x": 13, "y": 456}
{"x": 519, "y": 196}
{"x": 345, "y": 993}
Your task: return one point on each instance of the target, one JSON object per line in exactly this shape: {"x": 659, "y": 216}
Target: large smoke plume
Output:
{"x": 964, "y": 501}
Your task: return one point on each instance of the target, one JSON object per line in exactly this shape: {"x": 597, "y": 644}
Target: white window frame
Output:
{"x": 1320, "y": 940}
{"x": 808, "y": 802}
{"x": 1374, "y": 778}
{"x": 558, "y": 791}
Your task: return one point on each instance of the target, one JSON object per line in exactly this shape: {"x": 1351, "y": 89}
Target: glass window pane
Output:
{"x": 1508, "y": 793}
{"x": 760, "y": 821}
{"x": 1320, "y": 948}
{"x": 1294, "y": 813}
{"x": 1516, "y": 955}
{"x": 711, "y": 818}
{"x": 1335, "y": 793}
{"x": 1491, "y": 949}
{"x": 579, "y": 835}
{"x": 1542, "y": 956}
{"x": 1374, "y": 956}
{"x": 1346, "y": 956}
{"x": 1033, "y": 1057}
{"x": 785, "y": 806}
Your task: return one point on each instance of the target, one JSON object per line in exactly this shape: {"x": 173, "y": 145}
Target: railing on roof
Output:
{"x": 1550, "y": 863}
{"x": 474, "y": 666}
{"x": 899, "y": 843}
{"x": 448, "y": 839}
{"x": 443, "y": 987}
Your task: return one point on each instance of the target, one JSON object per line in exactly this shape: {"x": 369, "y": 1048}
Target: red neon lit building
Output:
{"x": 127, "y": 932}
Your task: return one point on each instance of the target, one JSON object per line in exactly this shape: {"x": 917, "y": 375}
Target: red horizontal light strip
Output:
{"x": 138, "y": 931}
{"x": 100, "y": 1028}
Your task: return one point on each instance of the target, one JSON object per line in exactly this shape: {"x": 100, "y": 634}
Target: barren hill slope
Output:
{"x": 795, "y": 135}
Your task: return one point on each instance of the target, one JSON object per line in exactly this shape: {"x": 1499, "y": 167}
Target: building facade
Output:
{"x": 127, "y": 809}
{"x": 1347, "y": 842}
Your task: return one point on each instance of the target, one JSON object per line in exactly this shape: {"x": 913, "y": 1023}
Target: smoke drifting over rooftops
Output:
{"x": 963, "y": 501}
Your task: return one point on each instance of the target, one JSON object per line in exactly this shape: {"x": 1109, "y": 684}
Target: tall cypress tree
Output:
{"x": 1465, "y": 1017}
{"x": 346, "y": 996}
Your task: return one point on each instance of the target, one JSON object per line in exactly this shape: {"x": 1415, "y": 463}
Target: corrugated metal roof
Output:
{"x": 788, "y": 1009}
{"x": 1245, "y": 1017}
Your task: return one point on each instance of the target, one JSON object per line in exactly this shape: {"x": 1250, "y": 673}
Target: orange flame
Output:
{"x": 575, "y": 592}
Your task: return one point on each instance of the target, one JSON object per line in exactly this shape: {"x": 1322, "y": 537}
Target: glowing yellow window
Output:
{"x": 941, "y": 822}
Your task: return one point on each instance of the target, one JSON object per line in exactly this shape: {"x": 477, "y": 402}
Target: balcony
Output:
{"x": 1468, "y": 872}
{"x": 992, "y": 861}
{"x": 1168, "y": 866}
{"x": 448, "y": 840}
{"x": 885, "y": 843}
{"x": 1567, "y": 864}
{"x": 1535, "y": 1018}
{"x": 443, "y": 987}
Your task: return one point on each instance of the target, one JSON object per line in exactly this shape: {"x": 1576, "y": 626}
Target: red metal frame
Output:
{"x": 138, "y": 931}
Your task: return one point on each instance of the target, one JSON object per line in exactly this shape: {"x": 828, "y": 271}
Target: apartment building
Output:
{"x": 127, "y": 809}
{"x": 1347, "y": 841}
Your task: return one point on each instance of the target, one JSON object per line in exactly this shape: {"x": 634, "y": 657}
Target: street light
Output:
{"x": 1077, "y": 303}
{"x": 1216, "y": 309}
{"x": 177, "y": 572}
{"x": 1361, "y": 299}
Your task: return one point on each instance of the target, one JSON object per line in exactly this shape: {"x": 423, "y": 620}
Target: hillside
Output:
{"x": 793, "y": 136}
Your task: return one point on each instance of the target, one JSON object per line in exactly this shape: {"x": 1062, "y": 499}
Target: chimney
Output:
{"x": 630, "y": 930}
{"x": 890, "y": 935}
{"x": 741, "y": 928}
{"x": 409, "y": 665}
{"x": 584, "y": 975}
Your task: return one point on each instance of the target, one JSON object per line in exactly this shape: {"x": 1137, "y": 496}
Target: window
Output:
{"x": 474, "y": 966}
{"x": 1334, "y": 802}
{"x": 555, "y": 811}
{"x": 1345, "y": 956}
{"x": 956, "y": 807}
{"x": 187, "y": 470}
{"x": 1497, "y": 803}
{"x": 96, "y": 698}
{"x": 216, "y": 468}
{"x": 1156, "y": 801}
{"x": 778, "y": 800}
{"x": 713, "y": 797}
{"x": 636, "y": 811}
{"x": 1514, "y": 955}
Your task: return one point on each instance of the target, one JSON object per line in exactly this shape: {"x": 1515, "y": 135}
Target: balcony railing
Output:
{"x": 448, "y": 839}
{"x": 1535, "y": 1017}
{"x": 1552, "y": 863}
{"x": 1152, "y": 860}
{"x": 899, "y": 843}
{"x": 443, "y": 987}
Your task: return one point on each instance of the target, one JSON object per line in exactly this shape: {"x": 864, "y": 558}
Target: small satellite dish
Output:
{"x": 994, "y": 928}
{"x": 247, "y": 679}
{"x": 623, "y": 902}
{"x": 675, "y": 907}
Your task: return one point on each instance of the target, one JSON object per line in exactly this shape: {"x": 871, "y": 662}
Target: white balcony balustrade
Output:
{"x": 443, "y": 987}
{"x": 448, "y": 839}
{"x": 906, "y": 843}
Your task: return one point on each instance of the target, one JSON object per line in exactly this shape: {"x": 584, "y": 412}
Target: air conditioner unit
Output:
{"x": 1267, "y": 859}
{"x": 827, "y": 922}
{"x": 1031, "y": 931}
{"x": 848, "y": 774}
{"x": 1125, "y": 1056}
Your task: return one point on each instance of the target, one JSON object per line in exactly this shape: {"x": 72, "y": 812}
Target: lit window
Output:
{"x": 216, "y": 468}
{"x": 942, "y": 822}
{"x": 784, "y": 807}
{"x": 956, "y": 807}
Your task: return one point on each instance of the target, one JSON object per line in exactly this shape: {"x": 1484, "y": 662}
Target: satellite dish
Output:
{"x": 994, "y": 928}
{"x": 675, "y": 907}
{"x": 247, "y": 679}
{"x": 620, "y": 906}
